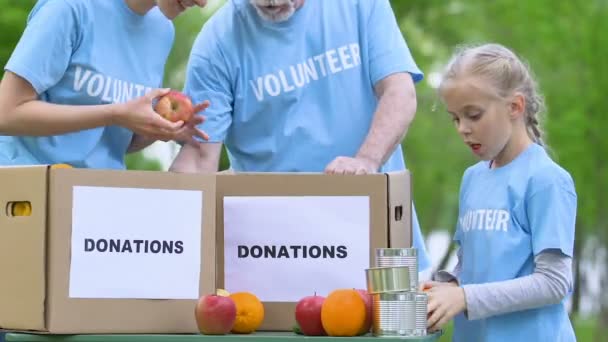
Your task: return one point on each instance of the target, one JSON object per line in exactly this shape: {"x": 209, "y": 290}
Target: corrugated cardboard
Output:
{"x": 390, "y": 214}
{"x": 35, "y": 255}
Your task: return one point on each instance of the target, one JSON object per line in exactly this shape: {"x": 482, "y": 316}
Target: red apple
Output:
{"x": 215, "y": 315}
{"x": 308, "y": 315}
{"x": 368, "y": 300}
{"x": 175, "y": 106}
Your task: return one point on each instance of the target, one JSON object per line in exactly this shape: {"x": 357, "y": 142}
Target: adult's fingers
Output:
{"x": 202, "y": 134}
{"x": 186, "y": 3}
{"x": 361, "y": 171}
{"x": 162, "y": 124}
{"x": 196, "y": 120}
{"x": 201, "y": 106}
{"x": 331, "y": 167}
{"x": 154, "y": 93}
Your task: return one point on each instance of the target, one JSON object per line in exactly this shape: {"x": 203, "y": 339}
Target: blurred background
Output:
{"x": 563, "y": 41}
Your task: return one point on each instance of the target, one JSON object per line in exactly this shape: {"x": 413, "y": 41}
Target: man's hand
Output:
{"x": 352, "y": 166}
{"x": 189, "y": 130}
{"x": 446, "y": 300}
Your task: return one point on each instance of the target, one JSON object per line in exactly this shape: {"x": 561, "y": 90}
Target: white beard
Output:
{"x": 286, "y": 10}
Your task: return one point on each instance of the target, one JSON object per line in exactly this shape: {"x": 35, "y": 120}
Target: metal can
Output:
{"x": 391, "y": 257}
{"x": 387, "y": 279}
{"x": 394, "y": 314}
{"x": 421, "y": 300}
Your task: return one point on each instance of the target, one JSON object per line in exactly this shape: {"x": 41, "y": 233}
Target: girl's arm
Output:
{"x": 548, "y": 285}
{"x": 445, "y": 276}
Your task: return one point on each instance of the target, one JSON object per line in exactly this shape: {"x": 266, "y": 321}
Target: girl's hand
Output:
{"x": 445, "y": 301}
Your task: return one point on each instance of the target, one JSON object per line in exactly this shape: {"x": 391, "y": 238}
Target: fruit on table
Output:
{"x": 367, "y": 298}
{"x": 215, "y": 315}
{"x": 344, "y": 313}
{"x": 175, "y": 106}
{"x": 249, "y": 312}
{"x": 308, "y": 315}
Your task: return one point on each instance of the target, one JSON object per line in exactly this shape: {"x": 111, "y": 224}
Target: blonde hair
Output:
{"x": 507, "y": 73}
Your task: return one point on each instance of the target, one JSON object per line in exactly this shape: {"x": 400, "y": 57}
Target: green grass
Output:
{"x": 586, "y": 330}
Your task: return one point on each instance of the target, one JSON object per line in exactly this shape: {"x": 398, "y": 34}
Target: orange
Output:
{"x": 21, "y": 209}
{"x": 249, "y": 312}
{"x": 343, "y": 313}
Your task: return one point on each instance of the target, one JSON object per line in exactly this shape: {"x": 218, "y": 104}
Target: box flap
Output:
{"x": 22, "y": 248}
{"x": 400, "y": 209}
{"x": 77, "y": 315}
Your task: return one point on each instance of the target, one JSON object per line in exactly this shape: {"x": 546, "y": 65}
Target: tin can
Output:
{"x": 421, "y": 300}
{"x": 391, "y": 257}
{"x": 394, "y": 314}
{"x": 387, "y": 279}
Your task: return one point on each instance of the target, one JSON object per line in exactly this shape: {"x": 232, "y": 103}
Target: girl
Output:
{"x": 82, "y": 80}
{"x": 517, "y": 212}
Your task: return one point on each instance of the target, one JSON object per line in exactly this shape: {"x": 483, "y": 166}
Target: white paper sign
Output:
{"x": 135, "y": 243}
{"x": 286, "y": 248}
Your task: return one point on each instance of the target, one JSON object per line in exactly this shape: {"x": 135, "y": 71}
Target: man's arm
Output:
{"x": 197, "y": 159}
{"x": 395, "y": 111}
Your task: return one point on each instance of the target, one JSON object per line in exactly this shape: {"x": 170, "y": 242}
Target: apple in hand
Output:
{"x": 308, "y": 315}
{"x": 175, "y": 106}
{"x": 368, "y": 300}
{"x": 215, "y": 315}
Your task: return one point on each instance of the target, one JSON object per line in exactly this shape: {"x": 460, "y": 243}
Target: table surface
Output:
{"x": 256, "y": 337}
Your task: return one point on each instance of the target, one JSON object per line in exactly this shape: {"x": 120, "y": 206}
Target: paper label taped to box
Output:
{"x": 135, "y": 243}
{"x": 283, "y": 248}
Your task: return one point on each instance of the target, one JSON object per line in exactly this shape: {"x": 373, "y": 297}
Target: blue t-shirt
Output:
{"x": 507, "y": 216}
{"x": 292, "y": 96}
{"x": 87, "y": 52}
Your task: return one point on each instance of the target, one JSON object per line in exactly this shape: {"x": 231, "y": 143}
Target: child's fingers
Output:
{"x": 432, "y": 305}
{"x": 434, "y": 317}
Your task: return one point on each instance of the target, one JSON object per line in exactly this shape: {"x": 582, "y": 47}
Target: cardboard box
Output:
{"x": 84, "y": 229}
{"x": 286, "y": 236}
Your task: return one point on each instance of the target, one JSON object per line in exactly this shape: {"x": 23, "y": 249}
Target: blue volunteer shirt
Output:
{"x": 86, "y": 52}
{"x": 507, "y": 216}
{"x": 292, "y": 96}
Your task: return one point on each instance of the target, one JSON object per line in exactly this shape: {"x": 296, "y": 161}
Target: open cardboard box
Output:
{"x": 50, "y": 258}
{"x": 284, "y": 236}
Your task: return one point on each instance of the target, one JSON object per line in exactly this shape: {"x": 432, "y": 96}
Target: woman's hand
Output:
{"x": 173, "y": 8}
{"x": 139, "y": 116}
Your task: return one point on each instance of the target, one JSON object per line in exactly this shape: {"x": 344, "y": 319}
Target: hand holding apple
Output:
{"x": 175, "y": 106}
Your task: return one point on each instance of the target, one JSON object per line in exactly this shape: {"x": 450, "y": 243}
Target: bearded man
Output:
{"x": 303, "y": 86}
